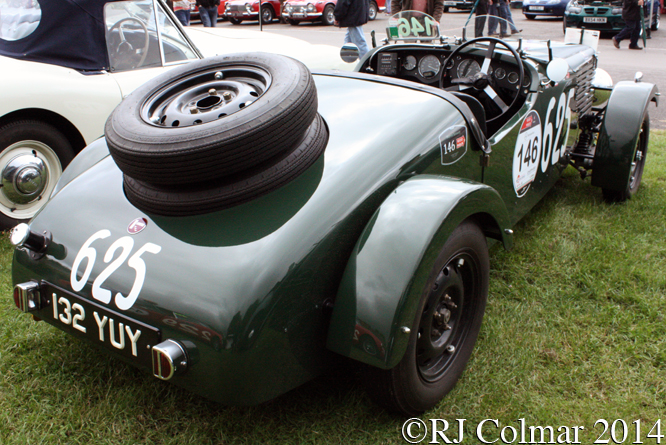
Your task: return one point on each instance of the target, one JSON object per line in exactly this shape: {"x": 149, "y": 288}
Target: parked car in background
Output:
{"x": 238, "y": 10}
{"x": 458, "y": 4}
{"x": 85, "y": 59}
{"x": 605, "y": 15}
{"x": 297, "y": 11}
{"x": 246, "y": 223}
{"x": 548, "y": 8}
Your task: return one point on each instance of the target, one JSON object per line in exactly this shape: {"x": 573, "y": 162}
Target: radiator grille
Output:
{"x": 584, "y": 93}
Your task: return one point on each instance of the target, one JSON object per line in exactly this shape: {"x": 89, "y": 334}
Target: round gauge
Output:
{"x": 409, "y": 63}
{"x": 429, "y": 66}
{"x": 500, "y": 73}
{"x": 512, "y": 77}
{"x": 449, "y": 65}
{"x": 527, "y": 81}
{"x": 468, "y": 68}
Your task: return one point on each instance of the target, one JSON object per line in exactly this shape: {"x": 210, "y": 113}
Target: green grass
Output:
{"x": 574, "y": 332}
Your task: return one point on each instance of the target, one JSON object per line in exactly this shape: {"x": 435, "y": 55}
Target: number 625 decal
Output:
{"x": 125, "y": 246}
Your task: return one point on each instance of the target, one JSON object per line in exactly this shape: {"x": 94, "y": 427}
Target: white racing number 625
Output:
{"x": 125, "y": 245}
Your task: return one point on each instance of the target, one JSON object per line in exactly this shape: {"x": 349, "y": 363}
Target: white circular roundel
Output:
{"x": 527, "y": 153}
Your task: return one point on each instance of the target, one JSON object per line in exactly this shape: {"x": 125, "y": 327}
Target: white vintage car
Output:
{"x": 65, "y": 66}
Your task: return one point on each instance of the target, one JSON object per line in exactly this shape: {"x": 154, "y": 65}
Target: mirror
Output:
{"x": 349, "y": 53}
{"x": 557, "y": 70}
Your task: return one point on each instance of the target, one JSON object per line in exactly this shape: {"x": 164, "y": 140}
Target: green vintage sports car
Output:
{"x": 246, "y": 222}
{"x": 605, "y": 15}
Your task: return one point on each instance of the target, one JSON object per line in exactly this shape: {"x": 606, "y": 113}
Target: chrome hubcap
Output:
{"x": 24, "y": 179}
{"x": 29, "y": 171}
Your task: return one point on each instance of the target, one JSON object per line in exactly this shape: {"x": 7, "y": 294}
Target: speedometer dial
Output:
{"x": 409, "y": 63}
{"x": 429, "y": 66}
{"x": 468, "y": 68}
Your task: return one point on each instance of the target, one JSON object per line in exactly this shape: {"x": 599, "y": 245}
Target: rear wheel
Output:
{"x": 328, "y": 17}
{"x": 637, "y": 167}
{"x": 445, "y": 329}
{"x": 32, "y": 157}
{"x": 373, "y": 11}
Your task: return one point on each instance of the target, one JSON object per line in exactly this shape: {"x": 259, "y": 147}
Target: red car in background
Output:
{"x": 238, "y": 10}
{"x": 310, "y": 11}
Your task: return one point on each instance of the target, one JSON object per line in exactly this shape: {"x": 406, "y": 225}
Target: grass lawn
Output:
{"x": 574, "y": 332}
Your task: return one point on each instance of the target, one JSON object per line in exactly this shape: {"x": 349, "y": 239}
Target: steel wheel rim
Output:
{"x": 205, "y": 97}
{"x": 447, "y": 316}
{"x": 53, "y": 171}
{"x": 638, "y": 162}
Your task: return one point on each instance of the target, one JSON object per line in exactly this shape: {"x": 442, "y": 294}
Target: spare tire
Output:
{"x": 212, "y": 118}
{"x": 206, "y": 197}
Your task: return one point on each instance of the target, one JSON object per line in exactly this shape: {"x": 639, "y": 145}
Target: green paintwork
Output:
{"x": 618, "y": 137}
{"x": 386, "y": 273}
{"x": 263, "y": 269}
{"x": 248, "y": 289}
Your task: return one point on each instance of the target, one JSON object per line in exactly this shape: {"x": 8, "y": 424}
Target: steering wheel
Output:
{"x": 481, "y": 80}
{"x": 124, "y": 54}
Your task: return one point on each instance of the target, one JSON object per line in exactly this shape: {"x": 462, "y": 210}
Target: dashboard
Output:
{"x": 429, "y": 65}
{"x": 425, "y": 66}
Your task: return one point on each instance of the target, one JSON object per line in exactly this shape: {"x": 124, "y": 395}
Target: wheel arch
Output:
{"x": 386, "y": 273}
{"x": 68, "y": 129}
{"x": 619, "y": 133}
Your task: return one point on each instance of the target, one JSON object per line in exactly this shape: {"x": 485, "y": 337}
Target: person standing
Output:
{"x": 631, "y": 14}
{"x": 353, "y": 14}
{"x": 481, "y": 11}
{"x": 208, "y": 12}
{"x": 433, "y": 8}
{"x": 182, "y": 10}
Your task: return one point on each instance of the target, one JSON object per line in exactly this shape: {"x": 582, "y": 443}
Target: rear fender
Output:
{"x": 618, "y": 137}
{"x": 387, "y": 271}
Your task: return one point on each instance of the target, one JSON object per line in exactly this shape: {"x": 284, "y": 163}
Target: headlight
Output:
{"x": 616, "y": 11}
{"x": 574, "y": 9}
{"x": 553, "y": 2}
{"x": 311, "y": 7}
{"x": 287, "y": 7}
{"x": 227, "y": 7}
{"x": 248, "y": 7}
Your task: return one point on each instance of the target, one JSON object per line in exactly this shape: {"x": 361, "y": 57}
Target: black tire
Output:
{"x": 530, "y": 16}
{"x": 267, "y": 14}
{"x": 372, "y": 12}
{"x": 29, "y": 140}
{"x": 328, "y": 17}
{"x": 209, "y": 197}
{"x": 235, "y": 21}
{"x": 637, "y": 174}
{"x": 148, "y": 142}
{"x": 436, "y": 356}
{"x": 293, "y": 22}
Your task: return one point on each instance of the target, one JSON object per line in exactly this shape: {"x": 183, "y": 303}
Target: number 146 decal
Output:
{"x": 125, "y": 246}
